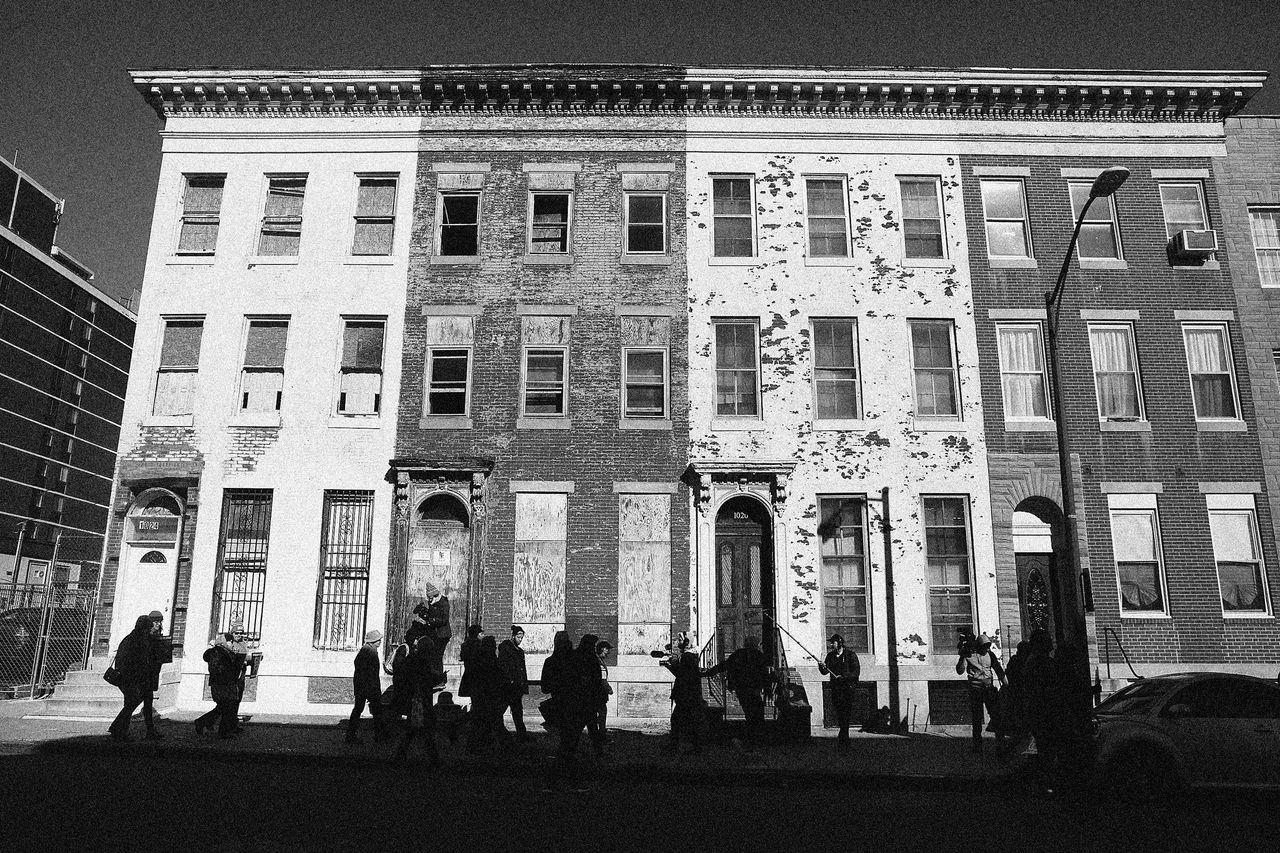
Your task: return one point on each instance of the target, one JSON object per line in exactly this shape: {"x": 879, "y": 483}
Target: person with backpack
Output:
{"x": 981, "y": 667}
{"x": 367, "y": 686}
{"x": 511, "y": 659}
{"x": 844, "y": 669}
{"x": 226, "y": 660}
{"x": 748, "y": 675}
{"x": 133, "y": 667}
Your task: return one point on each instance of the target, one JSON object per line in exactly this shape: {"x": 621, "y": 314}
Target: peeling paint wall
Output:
{"x": 888, "y": 446}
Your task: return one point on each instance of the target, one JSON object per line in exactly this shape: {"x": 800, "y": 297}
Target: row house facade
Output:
{"x": 633, "y": 351}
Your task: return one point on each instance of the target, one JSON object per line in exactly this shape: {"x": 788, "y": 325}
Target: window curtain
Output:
{"x": 1117, "y": 384}
{"x": 1023, "y": 379}
{"x": 1210, "y": 373}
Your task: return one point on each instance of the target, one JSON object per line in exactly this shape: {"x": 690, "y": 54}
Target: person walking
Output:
{"x": 688, "y": 706}
{"x": 367, "y": 686}
{"x": 467, "y": 654}
{"x": 844, "y": 670}
{"x": 511, "y": 659}
{"x": 226, "y": 661}
{"x": 489, "y": 692}
{"x": 603, "y": 649}
{"x": 590, "y": 688}
{"x": 1040, "y": 698}
{"x": 982, "y": 668}
{"x": 134, "y": 668}
{"x": 565, "y": 710}
{"x": 160, "y": 653}
{"x": 402, "y": 691}
{"x": 748, "y": 675}
{"x": 420, "y": 682}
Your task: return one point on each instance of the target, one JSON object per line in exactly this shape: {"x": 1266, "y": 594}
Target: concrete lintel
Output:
{"x": 564, "y": 487}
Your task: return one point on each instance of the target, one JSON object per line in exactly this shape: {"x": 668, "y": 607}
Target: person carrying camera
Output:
{"x": 981, "y": 667}
{"x": 688, "y": 713}
{"x": 226, "y": 658}
{"x": 843, "y": 667}
{"x": 748, "y": 675}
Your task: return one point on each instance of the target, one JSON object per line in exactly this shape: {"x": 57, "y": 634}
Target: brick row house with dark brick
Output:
{"x": 542, "y": 432}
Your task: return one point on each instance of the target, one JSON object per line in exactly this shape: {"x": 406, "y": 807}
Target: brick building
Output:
{"x": 64, "y": 364}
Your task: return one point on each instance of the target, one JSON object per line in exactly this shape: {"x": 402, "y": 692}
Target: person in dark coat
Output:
{"x": 511, "y": 659}
{"x": 134, "y": 664}
{"x": 489, "y": 691}
{"x": 603, "y": 650}
{"x": 397, "y": 667}
{"x": 1041, "y": 698}
{"x": 226, "y": 659}
{"x": 563, "y": 711}
{"x": 367, "y": 686}
{"x": 689, "y": 707}
{"x": 161, "y": 654}
{"x": 421, "y": 680}
{"x": 591, "y": 688}
{"x": 435, "y": 615}
{"x": 844, "y": 669}
{"x": 748, "y": 676}
{"x": 467, "y": 654}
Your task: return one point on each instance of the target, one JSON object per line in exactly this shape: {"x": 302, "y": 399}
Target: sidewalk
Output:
{"x": 918, "y": 761}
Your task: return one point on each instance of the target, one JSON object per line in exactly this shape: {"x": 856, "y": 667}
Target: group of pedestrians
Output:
{"x": 136, "y": 672}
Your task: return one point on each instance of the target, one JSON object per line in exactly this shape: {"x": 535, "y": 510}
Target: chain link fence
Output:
{"x": 44, "y": 630}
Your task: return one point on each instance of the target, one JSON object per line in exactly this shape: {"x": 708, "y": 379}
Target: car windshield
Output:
{"x": 1135, "y": 698}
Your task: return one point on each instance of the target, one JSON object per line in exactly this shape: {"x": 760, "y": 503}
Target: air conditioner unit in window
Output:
{"x": 1196, "y": 242}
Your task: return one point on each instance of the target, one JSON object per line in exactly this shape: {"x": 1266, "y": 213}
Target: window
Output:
{"x": 1115, "y": 372}
{"x": 179, "y": 361}
{"x": 835, "y": 369}
{"x": 549, "y": 223}
{"x": 1004, "y": 204}
{"x": 933, "y": 361}
{"x": 448, "y": 372}
{"x": 646, "y": 382}
{"x": 646, "y": 224}
{"x": 240, "y": 579}
{"x": 733, "y": 226}
{"x": 946, "y": 545}
{"x": 1099, "y": 236}
{"x": 459, "y": 224}
{"x": 1136, "y": 543}
{"x": 644, "y": 565}
{"x": 828, "y": 222}
{"x": 1239, "y": 557}
{"x": 1022, "y": 374}
{"x": 346, "y": 539}
{"x": 545, "y": 381}
{"x": 843, "y": 529}
{"x": 1264, "y": 222}
{"x": 201, "y": 208}
{"x": 1183, "y": 205}
{"x": 282, "y": 219}
{"x": 737, "y": 375}
{"x": 375, "y": 216}
{"x": 360, "y": 383}
{"x": 922, "y": 233}
{"x": 1213, "y": 386}
{"x": 537, "y": 589}
{"x": 262, "y": 380}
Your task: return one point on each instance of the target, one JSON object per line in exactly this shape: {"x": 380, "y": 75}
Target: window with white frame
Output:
{"x": 842, "y": 529}
{"x": 448, "y": 373}
{"x": 646, "y": 223}
{"x": 546, "y": 381}
{"x": 1183, "y": 205}
{"x": 827, "y": 217}
{"x": 1099, "y": 233}
{"x": 933, "y": 361}
{"x": 1004, "y": 206}
{"x": 360, "y": 380}
{"x": 947, "y": 551}
{"x": 1237, "y": 551}
{"x": 262, "y": 378}
{"x": 458, "y": 232}
{"x": 179, "y": 363}
{"x": 1135, "y": 544}
{"x": 375, "y": 215}
{"x": 1264, "y": 223}
{"x": 922, "y": 231}
{"x": 1115, "y": 372}
{"x": 201, "y": 214}
{"x": 733, "y": 217}
{"x": 646, "y": 382}
{"x": 549, "y": 214}
{"x": 281, "y": 232}
{"x": 1022, "y": 371}
{"x": 835, "y": 370}
{"x": 1213, "y": 382}
{"x": 737, "y": 370}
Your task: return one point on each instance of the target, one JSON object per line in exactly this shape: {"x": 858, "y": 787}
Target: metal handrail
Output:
{"x": 719, "y": 696}
{"x": 1107, "y": 633}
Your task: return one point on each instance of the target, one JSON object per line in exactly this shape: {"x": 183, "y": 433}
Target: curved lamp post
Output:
{"x": 1104, "y": 185}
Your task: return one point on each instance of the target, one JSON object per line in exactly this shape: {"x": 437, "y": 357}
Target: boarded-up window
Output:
{"x": 644, "y": 572}
{"x": 375, "y": 216}
{"x": 538, "y": 583}
{"x": 179, "y": 360}
{"x": 262, "y": 382}
{"x": 201, "y": 209}
{"x": 360, "y": 389}
{"x": 282, "y": 217}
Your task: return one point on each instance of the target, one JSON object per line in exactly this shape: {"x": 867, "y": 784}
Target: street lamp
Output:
{"x": 1104, "y": 185}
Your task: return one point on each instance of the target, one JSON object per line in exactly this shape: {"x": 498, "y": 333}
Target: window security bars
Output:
{"x": 346, "y": 538}
{"x": 240, "y": 582}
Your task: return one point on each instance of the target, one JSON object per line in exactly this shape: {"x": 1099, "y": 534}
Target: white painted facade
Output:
{"x": 785, "y": 290}
{"x": 315, "y": 448}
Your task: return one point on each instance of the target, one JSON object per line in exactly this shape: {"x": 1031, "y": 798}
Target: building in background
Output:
{"x": 65, "y": 348}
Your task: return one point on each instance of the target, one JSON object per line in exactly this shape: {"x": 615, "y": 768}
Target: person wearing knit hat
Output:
{"x": 511, "y": 660}
{"x": 981, "y": 668}
{"x": 437, "y": 621}
{"x": 368, "y": 688}
{"x": 842, "y": 665}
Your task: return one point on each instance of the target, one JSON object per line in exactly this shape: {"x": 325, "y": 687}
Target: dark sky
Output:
{"x": 67, "y": 104}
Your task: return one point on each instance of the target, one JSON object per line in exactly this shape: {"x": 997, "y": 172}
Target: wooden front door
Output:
{"x": 440, "y": 553}
{"x": 1035, "y": 598}
{"x": 744, "y": 573}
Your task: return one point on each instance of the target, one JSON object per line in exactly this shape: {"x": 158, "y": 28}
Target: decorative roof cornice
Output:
{"x": 801, "y": 91}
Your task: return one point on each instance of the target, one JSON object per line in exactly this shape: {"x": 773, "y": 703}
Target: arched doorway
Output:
{"x": 1037, "y": 526}
{"x": 149, "y": 559}
{"x": 744, "y": 575}
{"x": 440, "y": 554}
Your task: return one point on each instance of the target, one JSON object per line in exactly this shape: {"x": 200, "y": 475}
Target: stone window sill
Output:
{"x": 834, "y": 261}
{"x": 444, "y": 422}
{"x": 355, "y": 421}
{"x": 1211, "y": 266}
{"x": 255, "y": 419}
{"x": 647, "y": 260}
{"x": 273, "y": 261}
{"x": 927, "y": 263}
{"x": 1030, "y": 426}
{"x": 456, "y": 260}
{"x": 1221, "y": 426}
{"x": 736, "y": 424}
{"x": 1234, "y": 615}
{"x": 733, "y": 262}
{"x": 835, "y": 424}
{"x": 1138, "y": 615}
{"x": 1012, "y": 263}
{"x": 191, "y": 260}
{"x": 168, "y": 420}
{"x": 645, "y": 423}
{"x": 1103, "y": 264}
{"x": 939, "y": 425}
{"x": 371, "y": 261}
{"x": 1124, "y": 426}
{"x": 548, "y": 260}
{"x": 527, "y": 422}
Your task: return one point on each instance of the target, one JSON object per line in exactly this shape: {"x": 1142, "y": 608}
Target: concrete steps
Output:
{"x": 82, "y": 693}
{"x": 93, "y": 708}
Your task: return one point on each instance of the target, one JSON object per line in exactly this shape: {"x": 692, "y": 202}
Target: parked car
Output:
{"x": 19, "y": 633}
{"x": 1203, "y": 728}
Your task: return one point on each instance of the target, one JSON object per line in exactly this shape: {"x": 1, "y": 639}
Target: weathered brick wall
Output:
{"x": 1174, "y": 452}
{"x": 595, "y": 453}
